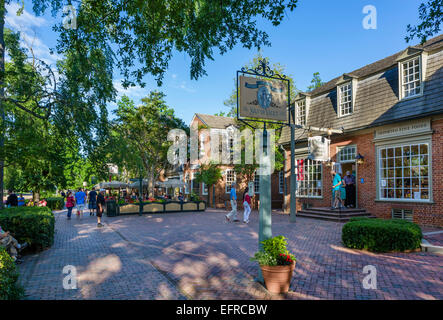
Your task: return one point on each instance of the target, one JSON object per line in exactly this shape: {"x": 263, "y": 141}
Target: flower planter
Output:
{"x": 278, "y": 278}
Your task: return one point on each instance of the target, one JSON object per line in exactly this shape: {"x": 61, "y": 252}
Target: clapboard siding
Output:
{"x": 377, "y": 96}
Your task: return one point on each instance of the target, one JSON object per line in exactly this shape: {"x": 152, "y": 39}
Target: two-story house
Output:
{"x": 392, "y": 115}
{"x": 219, "y": 195}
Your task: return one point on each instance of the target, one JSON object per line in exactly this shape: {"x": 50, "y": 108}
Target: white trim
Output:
{"x": 401, "y": 75}
{"x": 339, "y": 104}
{"x": 340, "y": 148}
{"x": 204, "y": 186}
{"x": 281, "y": 182}
{"x": 226, "y": 180}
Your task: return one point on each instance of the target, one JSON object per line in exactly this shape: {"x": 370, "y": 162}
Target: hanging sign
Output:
{"x": 264, "y": 99}
{"x": 318, "y": 148}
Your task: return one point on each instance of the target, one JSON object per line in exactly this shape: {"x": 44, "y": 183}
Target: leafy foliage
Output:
{"x": 209, "y": 174}
{"x": 274, "y": 252}
{"x": 34, "y": 225}
{"x": 315, "y": 82}
{"x": 9, "y": 288}
{"x": 56, "y": 203}
{"x": 379, "y": 235}
{"x": 430, "y": 14}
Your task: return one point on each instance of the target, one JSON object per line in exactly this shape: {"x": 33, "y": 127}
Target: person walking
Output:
{"x": 80, "y": 198}
{"x": 342, "y": 194}
{"x": 92, "y": 202}
{"x": 246, "y": 205}
{"x": 233, "y": 199}
{"x": 350, "y": 190}
{"x": 100, "y": 207}
{"x": 336, "y": 182}
{"x": 70, "y": 203}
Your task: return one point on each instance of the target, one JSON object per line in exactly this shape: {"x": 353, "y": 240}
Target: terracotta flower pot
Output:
{"x": 277, "y": 278}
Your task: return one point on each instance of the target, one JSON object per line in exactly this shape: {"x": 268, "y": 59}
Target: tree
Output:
{"x": 315, "y": 82}
{"x": 143, "y": 132}
{"x": 122, "y": 33}
{"x": 430, "y": 14}
{"x": 209, "y": 174}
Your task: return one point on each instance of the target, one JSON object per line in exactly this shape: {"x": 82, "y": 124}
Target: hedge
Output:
{"x": 34, "y": 225}
{"x": 379, "y": 235}
{"x": 55, "y": 203}
{"x": 9, "y": 288}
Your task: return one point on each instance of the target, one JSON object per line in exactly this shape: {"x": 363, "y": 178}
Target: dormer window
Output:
{"x": 345, "y": 99}
{"x": 301, "y": 112}
{"x": 411, "y": 78}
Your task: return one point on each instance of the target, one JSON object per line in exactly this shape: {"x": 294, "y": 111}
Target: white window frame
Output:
{"x": 302, "y": 116}
{"x": 228, "y": 184}
{"x": 339, "y": 99}
{"x": 204, "y": 188}
{"x": 256, "y": 183}
{"x": 380, "y": 176}
{"x": 300, "y": 182}
{"x": 192, "y": 187}
{"x": 402, "y": 75}
{"x": 281, "y": 182}
{"x": 339, "y": 155}
{"x": 187, "y": 183}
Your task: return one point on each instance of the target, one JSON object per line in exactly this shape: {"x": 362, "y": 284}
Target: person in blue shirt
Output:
{"x": 336, "y": 182}
{"x": 233, "y": 199}
{"x": 21, "y": 201}
{"x": 80, "y": 199}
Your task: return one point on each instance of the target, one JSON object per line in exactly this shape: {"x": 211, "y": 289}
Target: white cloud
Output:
{"x": 27, "y": 24}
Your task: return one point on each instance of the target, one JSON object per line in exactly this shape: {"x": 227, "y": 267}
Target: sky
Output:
{"x": 318, "y": 36}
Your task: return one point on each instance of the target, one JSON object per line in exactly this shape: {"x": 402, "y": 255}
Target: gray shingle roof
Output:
{"x": 377, "y": 95}
{"x": 216, "y": 122}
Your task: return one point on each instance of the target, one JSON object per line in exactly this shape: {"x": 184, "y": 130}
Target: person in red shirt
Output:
{"x": 70, "y": 203}
{"x": 246, "y": 205}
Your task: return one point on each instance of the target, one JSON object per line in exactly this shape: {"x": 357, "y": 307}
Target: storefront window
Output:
{"x": 404, "y": 172}
{"x": 309, "y": 178}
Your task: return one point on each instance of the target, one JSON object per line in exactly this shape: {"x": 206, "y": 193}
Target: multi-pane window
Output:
{"x": 309, "y": 178}
{"x": 281, "y": 182}
{"x": 301, "y": 112}
{"x": 404, "y": 172}
{"x": 345, "y": 99}
{"x": 346, "y": 154}
{"x": 256, "y": 183}
{"x": 187, "y": 183}
{"x": 195, "y": 187}
{"x": 204, "y": 188}
{"x": 230, "y": 179}
{"x": 411, "y": 78}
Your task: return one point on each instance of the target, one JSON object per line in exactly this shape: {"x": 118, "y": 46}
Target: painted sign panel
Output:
{"x": 264, "y": 99}
{"x": 410, "y": 128}
{"x": 318, "y": 148}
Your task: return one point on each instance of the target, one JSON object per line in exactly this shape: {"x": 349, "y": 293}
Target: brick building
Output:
{"x": 219, "y": 195}
{"x": 392, "y": 115}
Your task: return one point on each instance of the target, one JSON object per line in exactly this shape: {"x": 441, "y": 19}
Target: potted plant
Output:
{"x": 276, "y": 263}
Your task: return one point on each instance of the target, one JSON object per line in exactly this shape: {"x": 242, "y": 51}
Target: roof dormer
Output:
{"x": 346, "y": 93}
{"x": 411, "y": 72}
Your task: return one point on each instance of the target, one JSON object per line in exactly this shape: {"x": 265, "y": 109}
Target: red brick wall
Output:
{"x": 424, "y": 214}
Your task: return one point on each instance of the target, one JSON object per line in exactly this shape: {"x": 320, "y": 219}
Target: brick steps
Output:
{"x": 333, "y": 215}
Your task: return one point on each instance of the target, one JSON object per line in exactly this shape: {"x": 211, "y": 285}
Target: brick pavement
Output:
{"x": 198, "y": 256}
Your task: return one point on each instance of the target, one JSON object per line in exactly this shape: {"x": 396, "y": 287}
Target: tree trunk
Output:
{"x": 36, "y": 196}
{"x": 2, "y": 94}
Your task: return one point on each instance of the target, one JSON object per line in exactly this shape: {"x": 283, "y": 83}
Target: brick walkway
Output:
{"x": 198, "y": 256}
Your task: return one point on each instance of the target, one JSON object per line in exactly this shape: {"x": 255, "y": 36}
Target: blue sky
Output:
{"x": 319, "y": 36}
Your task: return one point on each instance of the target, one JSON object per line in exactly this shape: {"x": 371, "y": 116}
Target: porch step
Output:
{"x": 333, "y": 215}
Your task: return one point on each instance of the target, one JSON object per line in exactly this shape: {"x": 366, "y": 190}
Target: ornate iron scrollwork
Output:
{"x": 263, "y": 70}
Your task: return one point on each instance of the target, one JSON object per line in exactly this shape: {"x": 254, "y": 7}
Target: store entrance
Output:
{"x": 351, "y": 192}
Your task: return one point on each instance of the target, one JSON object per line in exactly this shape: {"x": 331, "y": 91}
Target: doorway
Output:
{"x": 352, "y": 168}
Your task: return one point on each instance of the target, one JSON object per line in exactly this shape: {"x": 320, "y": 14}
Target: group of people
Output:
{"x": 246, "y": 199}
{"x": 96, "y": 203}
{"x": 344, "y": 190}
{"x": 13, "y": 201}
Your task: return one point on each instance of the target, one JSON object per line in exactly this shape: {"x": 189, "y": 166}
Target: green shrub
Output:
{"x": 274, "y": 253}
{"x": 55, "y": 203}
{"x": 9, "y": 289}
{"x": 379, "y": 235}
{"x": 34, "y": 225}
